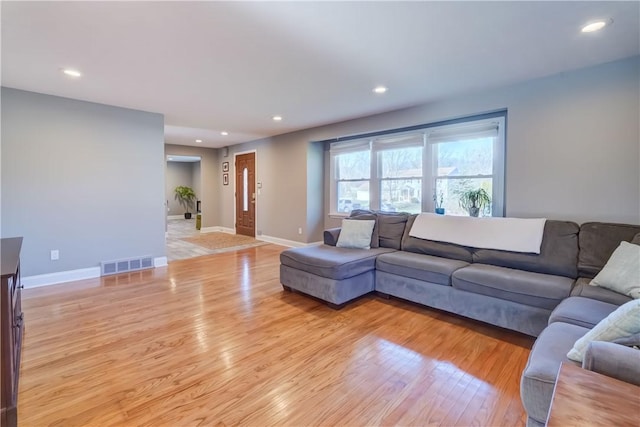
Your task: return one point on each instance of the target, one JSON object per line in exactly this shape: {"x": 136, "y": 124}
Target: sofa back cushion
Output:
{"x": 431, "y": 247}
{"x": 597, "y": 241}
{"x": 558, "y": 252}
{"x": 391, "y": 229}
{"x": 389, "y": 226}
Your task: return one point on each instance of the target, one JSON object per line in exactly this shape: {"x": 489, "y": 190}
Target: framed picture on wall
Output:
{"x": 225, "y": 179}
{"x": 225, "y": 167}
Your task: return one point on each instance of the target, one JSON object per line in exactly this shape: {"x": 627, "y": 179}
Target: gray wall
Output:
{"x": 196, "y": 179}
{"x": 315, "y": 191}
{"x": 281, "y": 204}
{"x": 83, "y": 178}
{"x": 572, "y": 152}
{"x": 181, "y": 173}
{"x": 210, "y": 181}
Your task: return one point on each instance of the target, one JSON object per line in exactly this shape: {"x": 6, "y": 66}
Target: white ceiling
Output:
{"x": 230, "y": 66}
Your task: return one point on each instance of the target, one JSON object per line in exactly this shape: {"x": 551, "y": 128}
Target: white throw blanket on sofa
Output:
{"x": 506, "y": 234}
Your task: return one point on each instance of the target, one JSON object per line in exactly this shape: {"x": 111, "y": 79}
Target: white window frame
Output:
{"x": 469, "y": 130}
{"x": 394, "y": 142}
{"x": 429, "y": 135}
{"x": 344, "y": 148}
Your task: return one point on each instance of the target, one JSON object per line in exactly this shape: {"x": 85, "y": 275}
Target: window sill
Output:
{"x": 338, "y": 215}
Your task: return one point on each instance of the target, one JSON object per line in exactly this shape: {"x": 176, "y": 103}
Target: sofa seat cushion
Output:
{"x": 534, "y": 289}
{"x": 539, "y": 376}
{"x": 421, "y": 267}
{"x": 584, "y": 289}
{"x": 331, "y": 262}
{"x": 581, "y": 311}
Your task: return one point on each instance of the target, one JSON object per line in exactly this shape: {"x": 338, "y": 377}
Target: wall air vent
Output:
{"x": 126, "y": 265}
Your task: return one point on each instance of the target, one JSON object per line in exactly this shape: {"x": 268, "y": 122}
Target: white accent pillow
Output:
{"x": 356, "y": 233}
{"x": 622, "y": 323}
{"x": 622, "y": 272}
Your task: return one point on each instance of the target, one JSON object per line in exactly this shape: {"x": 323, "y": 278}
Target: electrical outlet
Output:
{"x": 55, "y": 255}
{"x": 300, "y": 230}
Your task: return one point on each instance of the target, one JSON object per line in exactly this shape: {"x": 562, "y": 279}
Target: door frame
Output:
{"x": 235, "y": 193}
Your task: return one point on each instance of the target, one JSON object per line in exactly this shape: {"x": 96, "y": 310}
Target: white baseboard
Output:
{"x": 281, "y": 242}
{"x": 160, "y": 261}
{"x": 218, "y": 229}
{"x": 60, "y": 277}
{"x": 73, "y": 275}
{"x": 175, "y": 216}
{"x": 264, "y": 238}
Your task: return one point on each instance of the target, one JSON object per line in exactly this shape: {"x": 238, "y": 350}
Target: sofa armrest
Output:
{"x": 331, "y": 236}
{"x": 613, "y": 360}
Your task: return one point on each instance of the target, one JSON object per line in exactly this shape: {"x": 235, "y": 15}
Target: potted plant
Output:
{"x": 439, "y": 208}
{"x": 185, "y": 196}
{"x": 474, "y": 200}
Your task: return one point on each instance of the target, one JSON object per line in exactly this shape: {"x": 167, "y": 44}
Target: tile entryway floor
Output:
{"x": 179, "y": 249}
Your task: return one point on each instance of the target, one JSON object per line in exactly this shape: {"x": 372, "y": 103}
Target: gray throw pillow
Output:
{"x": 636, "y": 239}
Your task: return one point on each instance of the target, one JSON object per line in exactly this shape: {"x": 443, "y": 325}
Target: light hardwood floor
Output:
{"x": 215, "y": 340}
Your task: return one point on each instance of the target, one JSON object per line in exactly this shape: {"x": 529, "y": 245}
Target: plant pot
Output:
{"x": 440, "y": 211}
{"x": 187, "y": 215}
{"x": 474, "y": 212}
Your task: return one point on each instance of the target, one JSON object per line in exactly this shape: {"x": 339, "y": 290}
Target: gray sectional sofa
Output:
{"x": 546, "y": 296}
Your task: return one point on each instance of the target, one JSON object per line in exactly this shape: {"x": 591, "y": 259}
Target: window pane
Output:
{"x": 466, "y": 157}
{"x": 451, "y": 189}
{"x": 403, "y": 195}
{"x": 353, "y": 165}
{"x": 353, "y": 195}
{"x": 403, "y": 162}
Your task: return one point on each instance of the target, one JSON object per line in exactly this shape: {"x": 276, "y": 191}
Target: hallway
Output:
{"x": 179, "y": 249}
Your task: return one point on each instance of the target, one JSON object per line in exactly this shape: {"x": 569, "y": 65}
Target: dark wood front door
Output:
{"x": 246, "y": 194}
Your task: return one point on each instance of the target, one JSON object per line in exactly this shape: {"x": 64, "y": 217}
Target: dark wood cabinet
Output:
{"x": 11, "y": 329}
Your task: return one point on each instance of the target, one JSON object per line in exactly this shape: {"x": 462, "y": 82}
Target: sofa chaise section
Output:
{"x": 338, "y": 275}
{"x": 335, "y": 275}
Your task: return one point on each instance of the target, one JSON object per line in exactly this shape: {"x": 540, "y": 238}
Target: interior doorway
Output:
{"x": 184, "y": 171}
{"x": 245, "y": 184}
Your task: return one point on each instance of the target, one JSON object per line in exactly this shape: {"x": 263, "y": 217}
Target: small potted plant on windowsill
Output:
{"x": 438, "y": 204}
{"x": 185, "y": 196}
{"x": 474, "y": 200}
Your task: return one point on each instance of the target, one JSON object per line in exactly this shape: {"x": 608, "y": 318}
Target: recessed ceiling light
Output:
{"x": 198, "y": 140}
{"x": 72, "y": 73}
{"x": 594, "y": 26}
{"x": 277, "y": 118}
{"x": 224, "y": 133}
{"x": 380, "y": 89}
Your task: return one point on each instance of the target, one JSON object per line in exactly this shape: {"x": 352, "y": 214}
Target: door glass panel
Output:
{"x": 245, "y": 190}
